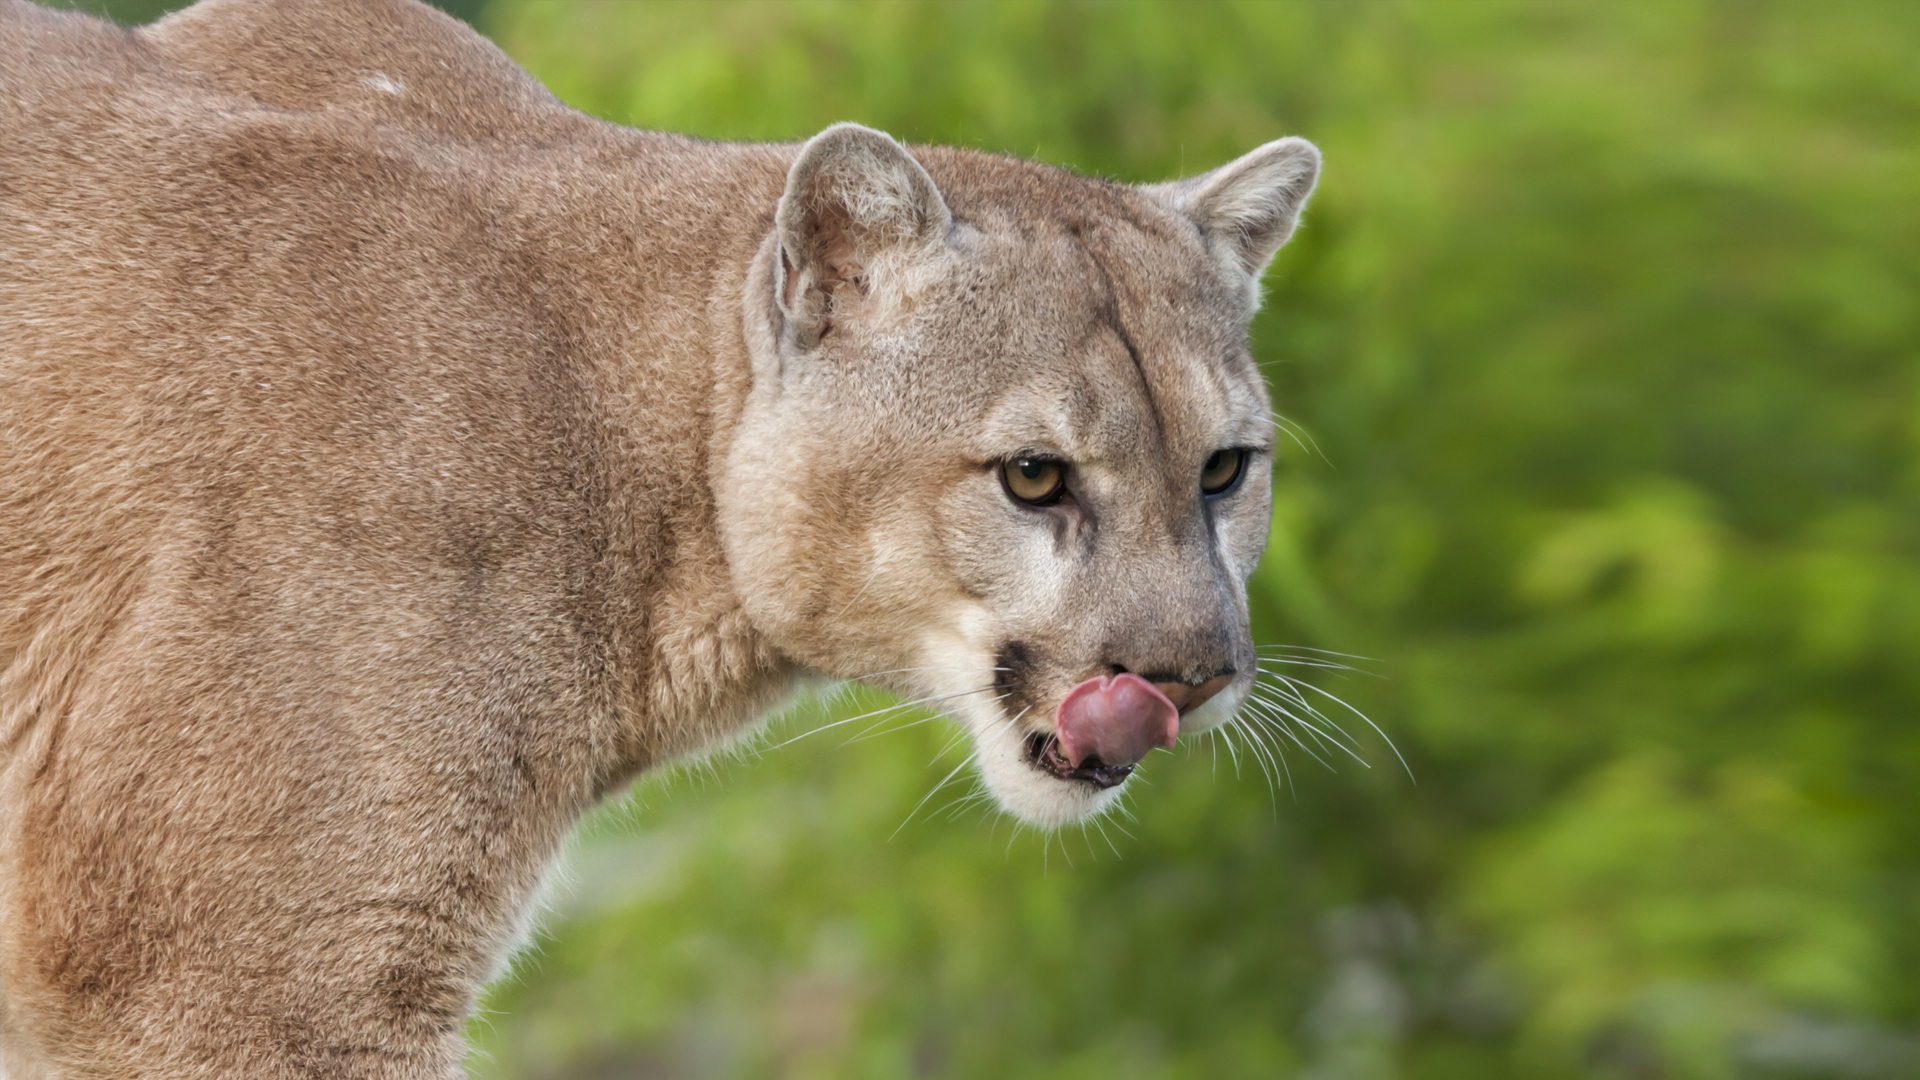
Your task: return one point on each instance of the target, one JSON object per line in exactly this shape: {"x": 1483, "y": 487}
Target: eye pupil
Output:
{"x": 1031, "y": 469}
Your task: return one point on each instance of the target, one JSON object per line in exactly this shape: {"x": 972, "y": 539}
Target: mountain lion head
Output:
{"x": 1006, "y": 450}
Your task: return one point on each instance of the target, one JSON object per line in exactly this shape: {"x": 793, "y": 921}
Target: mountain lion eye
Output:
{"x": 1036, "y": 481}
{"x": 1222, "y": 471}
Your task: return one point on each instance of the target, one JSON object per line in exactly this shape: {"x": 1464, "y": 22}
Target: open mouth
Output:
{"x": 1043, "y": 752}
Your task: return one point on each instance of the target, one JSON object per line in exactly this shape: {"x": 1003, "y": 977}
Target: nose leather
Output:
{"x": 1116, "y": 718}
{"x": 1187, "y": 696}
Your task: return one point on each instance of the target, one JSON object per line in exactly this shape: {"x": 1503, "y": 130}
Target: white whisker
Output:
{"x": 1257, "y": 746}
{"x": 862, "y": 590}
{"x": 1322, "y": 652}
{"x": 931, "y": 667}
{"x": 1290, "y": 695}
{"x": 1280, "y": 725}
{"x": 1288, "y": 719}
{"x": 877, "y": 712}
{"x": 1307, "y": 662}
{"x": 1288, "y": 428}
{"x": 1363, "y": 719}
{"x": 964, "y": 762}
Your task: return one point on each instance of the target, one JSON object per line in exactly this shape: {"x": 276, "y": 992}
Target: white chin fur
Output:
{"x": 1027, "y": 793}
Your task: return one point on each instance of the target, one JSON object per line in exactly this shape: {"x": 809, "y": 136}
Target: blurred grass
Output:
{"x": 1604, "y": 326}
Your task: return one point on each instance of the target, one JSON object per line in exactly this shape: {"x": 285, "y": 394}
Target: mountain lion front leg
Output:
{"x": 251, "y": 876}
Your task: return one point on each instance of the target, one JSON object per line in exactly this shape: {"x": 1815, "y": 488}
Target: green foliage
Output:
{"x": 1603, "y": 328}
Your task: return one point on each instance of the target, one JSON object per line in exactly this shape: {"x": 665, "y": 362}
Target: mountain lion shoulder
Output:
{"x": 394, "y": 461}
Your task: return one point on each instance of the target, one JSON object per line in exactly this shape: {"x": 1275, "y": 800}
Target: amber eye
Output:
{"x": 1222, "y": 471}
{"x": 1036, "y": 481}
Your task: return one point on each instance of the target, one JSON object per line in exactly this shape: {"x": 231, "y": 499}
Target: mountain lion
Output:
{"x": 394, "y": 462}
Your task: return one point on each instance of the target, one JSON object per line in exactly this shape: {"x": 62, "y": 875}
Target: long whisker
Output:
{"x": 970, "y": 799}
{"x": 977, "y": 795}
{"x": 1292, "y": 790}
{"x": 1233, "y": 752}
{"x": 848, "y": 720}
{"x": 1280, "y": 725}
{"x": 1288, "y": 428}
{"x": 1363, "y": 718}
{"x": 954, "y": 739}
{"x": 862, "y": 590}
{"x": 1289, "y": 719}
{"x": 1322, "y": 652}
{"x": 1260, "y": 751}
{"x": 879, "y": 727}
{"x": 1268, "y": 721}
{"x": 877, "y": 712}
{"x": 1295, "y": 723}
{"x": 1312, "y": 662}
{"x": 931, "y": 667}
{"x": 1288, "y": 693}
{"x": 964, "y": 762}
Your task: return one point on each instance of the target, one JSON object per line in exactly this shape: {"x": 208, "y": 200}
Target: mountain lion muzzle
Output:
{"x": 394, "y": 462}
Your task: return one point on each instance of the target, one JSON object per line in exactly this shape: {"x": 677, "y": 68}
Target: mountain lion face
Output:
{"x": 1006, "y": 450}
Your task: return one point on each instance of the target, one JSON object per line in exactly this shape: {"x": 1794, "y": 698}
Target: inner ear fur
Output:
{"x": 1252, "y": 203}
{"x": 856, "y": 208}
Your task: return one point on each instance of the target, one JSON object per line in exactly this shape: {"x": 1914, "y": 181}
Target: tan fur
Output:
{"x": 394, "y": 461}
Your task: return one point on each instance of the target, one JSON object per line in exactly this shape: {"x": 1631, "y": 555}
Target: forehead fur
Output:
{"x": 1135, "y": 240}
{"x": 1083, "y": 316}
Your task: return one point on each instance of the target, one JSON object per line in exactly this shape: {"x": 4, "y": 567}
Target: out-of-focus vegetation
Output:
{"x": 1604, "y": 327}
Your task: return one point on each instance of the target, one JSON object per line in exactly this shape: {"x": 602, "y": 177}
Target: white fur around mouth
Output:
{"x": 1024, "y": 790}
{"x": 1040, "y": 796}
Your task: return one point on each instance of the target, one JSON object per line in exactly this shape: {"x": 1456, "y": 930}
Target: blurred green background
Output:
{"x": 1600, "y": 337}
{"x": 1603, "y": 324}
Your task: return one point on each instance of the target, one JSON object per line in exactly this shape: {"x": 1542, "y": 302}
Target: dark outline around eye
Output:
{"x": 1241, "y": 455}
{"x": 1053, "y": 495}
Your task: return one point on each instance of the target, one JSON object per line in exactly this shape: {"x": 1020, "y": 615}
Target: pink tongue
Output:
{"x": 1116, "y": 719}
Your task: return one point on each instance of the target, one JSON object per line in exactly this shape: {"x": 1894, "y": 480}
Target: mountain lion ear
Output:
{"x": 1250, "y": 204}
{"x": 857, "y": 211}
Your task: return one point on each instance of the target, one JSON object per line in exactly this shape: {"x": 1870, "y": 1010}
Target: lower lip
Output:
{"x": 1043, "y": 752}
